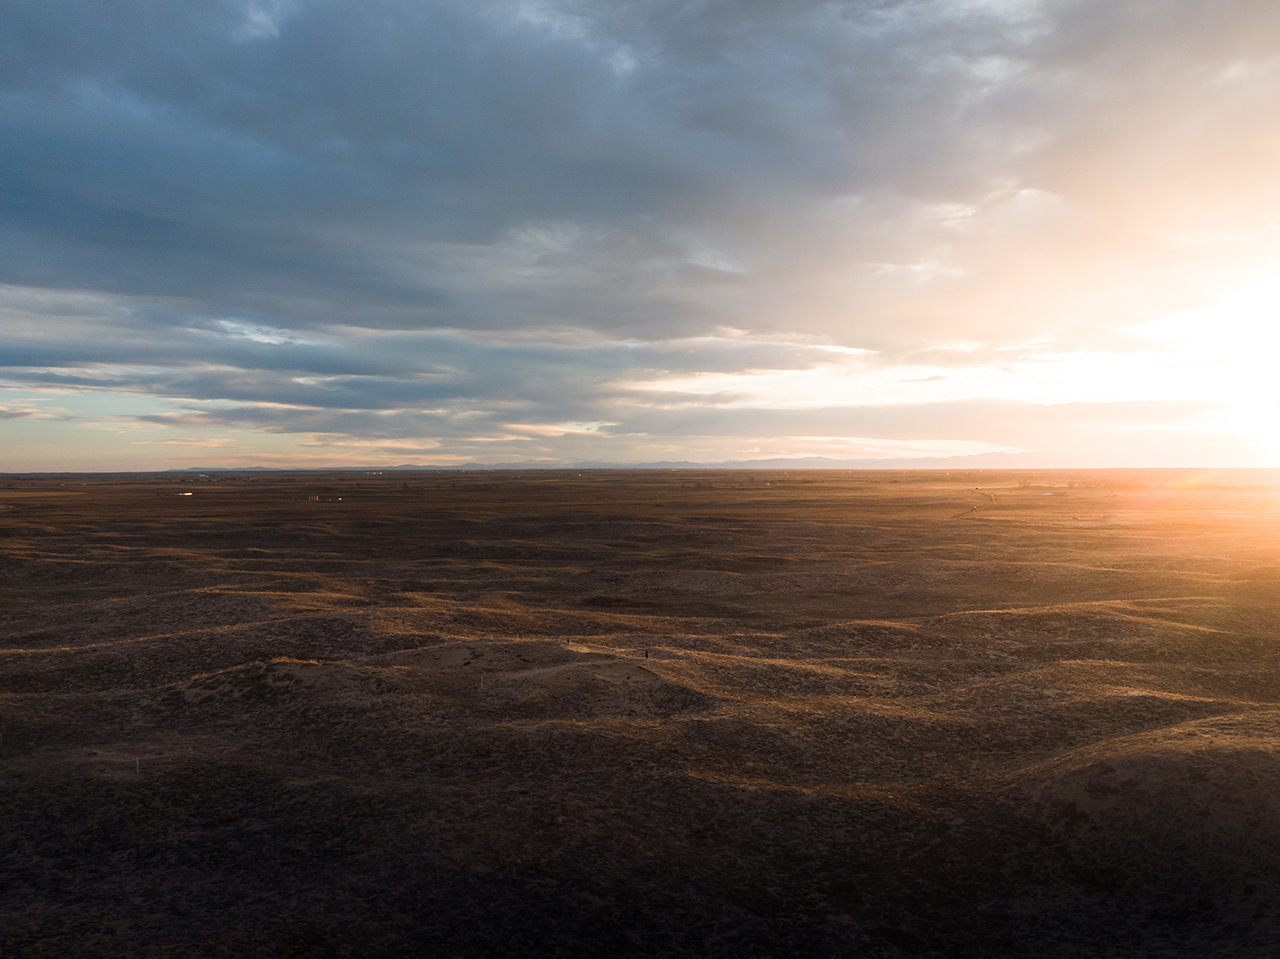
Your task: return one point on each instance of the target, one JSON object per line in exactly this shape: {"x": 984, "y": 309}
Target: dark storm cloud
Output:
{"x": 240, "y": 152}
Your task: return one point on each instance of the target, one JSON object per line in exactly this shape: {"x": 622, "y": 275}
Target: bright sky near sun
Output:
{"x": 378, "y": 232}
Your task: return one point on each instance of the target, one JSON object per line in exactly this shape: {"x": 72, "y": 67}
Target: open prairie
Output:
{"x": 640, "y": 714}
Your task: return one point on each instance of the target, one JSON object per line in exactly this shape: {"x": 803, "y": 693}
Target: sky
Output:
{"x": 358, "y": 233}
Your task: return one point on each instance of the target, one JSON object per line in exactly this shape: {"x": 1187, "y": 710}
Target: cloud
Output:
{"x": 390, "y": 218}
{"x": 207, "y": 443}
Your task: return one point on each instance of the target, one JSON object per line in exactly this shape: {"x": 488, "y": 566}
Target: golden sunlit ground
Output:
{"x": 641, "y": 713}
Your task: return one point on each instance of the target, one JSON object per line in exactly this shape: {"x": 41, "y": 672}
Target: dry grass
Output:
{"x": 641, "y": 714}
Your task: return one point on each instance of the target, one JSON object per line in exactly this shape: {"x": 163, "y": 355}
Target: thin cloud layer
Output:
{"x": 327, "y": 232}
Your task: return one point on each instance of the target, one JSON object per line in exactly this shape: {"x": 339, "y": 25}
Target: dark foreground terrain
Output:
{"x": 640, "y": 714}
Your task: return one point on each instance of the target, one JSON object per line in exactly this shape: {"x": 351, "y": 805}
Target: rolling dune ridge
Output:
{"x": 641, "y": 713}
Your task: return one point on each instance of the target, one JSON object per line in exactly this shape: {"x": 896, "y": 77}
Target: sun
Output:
{"x": 1224, "y": 354}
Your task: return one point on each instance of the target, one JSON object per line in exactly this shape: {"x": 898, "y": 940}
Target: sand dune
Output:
{"x": 627, "y": 714}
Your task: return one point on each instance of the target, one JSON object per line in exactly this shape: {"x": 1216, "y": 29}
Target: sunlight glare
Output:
{"x": 1227, "y": 352}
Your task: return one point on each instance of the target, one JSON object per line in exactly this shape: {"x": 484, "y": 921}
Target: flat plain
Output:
{"x": 640, "y": 713}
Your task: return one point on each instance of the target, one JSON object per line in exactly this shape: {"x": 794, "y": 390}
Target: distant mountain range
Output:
{"x": 981, "y": 461}
{"x": 976, "y": 461}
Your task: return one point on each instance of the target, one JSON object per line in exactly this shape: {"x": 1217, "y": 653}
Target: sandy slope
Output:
{"x": 641, "y": 714}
